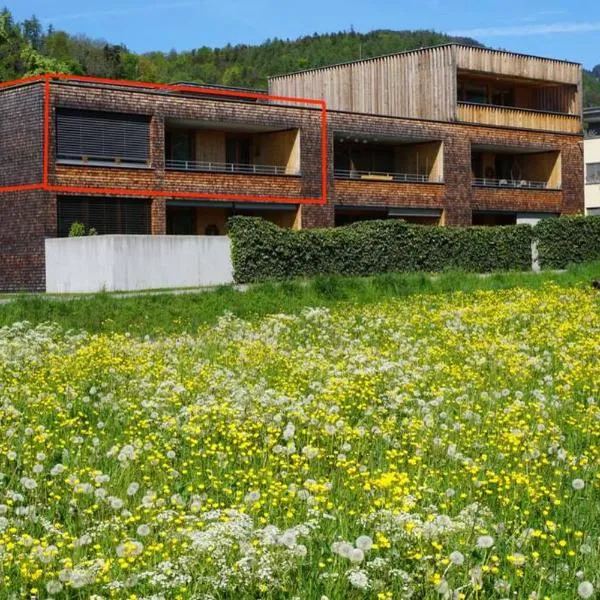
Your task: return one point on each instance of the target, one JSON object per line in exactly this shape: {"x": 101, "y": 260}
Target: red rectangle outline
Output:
{"x": 45, "y": 185}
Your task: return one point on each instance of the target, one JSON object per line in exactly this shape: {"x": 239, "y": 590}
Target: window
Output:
{"x": 102, "y": 137}
{"x": 180, "y": 146}
{"x": 473, "y": 92}
{"x": 106, "y": 215}
{"x": 503, "y": 97}
{"x": 237, "y": 150}
{"x": 592, "y": 173}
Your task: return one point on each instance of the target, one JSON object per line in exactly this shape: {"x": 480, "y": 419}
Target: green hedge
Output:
{"x": 567, "y": 240}
{"x": 263, "y": 251}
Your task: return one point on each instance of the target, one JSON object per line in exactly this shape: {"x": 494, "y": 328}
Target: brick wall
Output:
{"x": 21, "y": 135}
{"x": 27, "y": 218}
{"x": 517, "y": 200}
{"x": 162, "y": 107}
{"x": 456, "y": 196}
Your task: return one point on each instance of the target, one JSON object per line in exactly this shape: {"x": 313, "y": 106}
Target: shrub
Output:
{"x": 567, "y": 240}
{"x": 78, "y": 229}
{"x": 262, "y": 251}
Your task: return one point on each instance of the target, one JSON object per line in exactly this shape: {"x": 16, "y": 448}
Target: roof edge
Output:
{"x": 423, "y": 49}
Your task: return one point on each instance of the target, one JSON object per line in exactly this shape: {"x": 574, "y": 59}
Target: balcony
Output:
{"x": 218, "y": 167}
{"x": 365, "y": 157}
{"x": 515, "y": 101}
{"x": 198, "y": 147}
{"x": 381, "y": 176}
{"x": 502, "y": 116}
{"x": 509, "y": 183}
{"x": 499, "y": 167}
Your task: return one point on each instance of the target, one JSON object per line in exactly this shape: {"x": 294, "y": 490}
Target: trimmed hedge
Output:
{"x": 567, "y": 240}
{"x": 262, "y": 250}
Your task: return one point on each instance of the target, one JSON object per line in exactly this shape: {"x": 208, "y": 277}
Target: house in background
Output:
{"x": 451, "y": 135}
{"x": 591, "y": 117}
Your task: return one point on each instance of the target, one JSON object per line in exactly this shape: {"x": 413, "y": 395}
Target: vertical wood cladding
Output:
{"x": 381, "y": 85}
{"x": 422, "y": 83}
{"x": 21, "y": 135}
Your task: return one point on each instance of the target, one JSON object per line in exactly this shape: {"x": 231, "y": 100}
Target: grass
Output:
{"x": 169, "y": 313}
{"x": 435, "y": 447}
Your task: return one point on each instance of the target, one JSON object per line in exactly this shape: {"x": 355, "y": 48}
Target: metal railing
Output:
{"x": 509, "y": 183}
{"x": 381, "y": 176}
{"x": 219, "y": 167}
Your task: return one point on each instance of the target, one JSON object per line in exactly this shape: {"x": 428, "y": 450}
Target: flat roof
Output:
{"x": 423, "y": 49}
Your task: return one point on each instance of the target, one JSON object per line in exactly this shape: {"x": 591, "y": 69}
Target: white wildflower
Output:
{"x": 356, "y": 555}
{"x": 54, "y": 587}
{"x": 485, "y": 541}
{"x": 364, "y": 542}
{"x": 585, "y": 589}
{"x": 359, "y": 579}
{"x": 288, "y": 432}
{"x": 442, "y": 587}
{"x": 252, "y": 497}
{"x": 457, "y": 558}
{"x": 28, "y": 484}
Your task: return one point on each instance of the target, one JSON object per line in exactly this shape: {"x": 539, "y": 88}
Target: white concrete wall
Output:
{"x": 136, "y": 262}
{"x": 591, "y": 154}
{"x": 533, "y": 218}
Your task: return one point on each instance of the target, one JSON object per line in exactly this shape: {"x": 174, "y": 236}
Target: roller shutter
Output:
{"x": 106, "y": 215}
{"x": 83, "y": 135}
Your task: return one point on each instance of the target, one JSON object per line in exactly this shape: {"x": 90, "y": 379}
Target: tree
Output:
{"x": 11, "y": 47}
{"x": 33, "y": 33}
{"x": 35, "y": 63}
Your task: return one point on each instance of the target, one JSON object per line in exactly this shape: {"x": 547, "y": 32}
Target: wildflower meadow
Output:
{"x": 436, "y": 447}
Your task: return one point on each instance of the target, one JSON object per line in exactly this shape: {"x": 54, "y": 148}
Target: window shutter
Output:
{"x": 102, "y": 136}
{"x": 106, "y": 215}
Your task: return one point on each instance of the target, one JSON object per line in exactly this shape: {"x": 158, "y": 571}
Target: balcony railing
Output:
{"x": 503, "y": 116}
{"x": 219, "y": 167}
{"x": 509, "y": 183}
{"x": 381, "y": 176}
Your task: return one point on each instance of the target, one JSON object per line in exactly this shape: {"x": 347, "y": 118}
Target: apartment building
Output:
{"x": 591, "y": 117}
{"x": 451, "y": 135}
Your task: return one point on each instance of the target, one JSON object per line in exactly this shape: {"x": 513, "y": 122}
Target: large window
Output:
{"x": 105, "y": 215}
{"x": 102, "y": 137}
{"x": 592, "y": 173}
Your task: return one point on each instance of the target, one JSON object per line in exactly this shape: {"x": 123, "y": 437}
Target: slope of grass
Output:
{"x": 168, "y": 313}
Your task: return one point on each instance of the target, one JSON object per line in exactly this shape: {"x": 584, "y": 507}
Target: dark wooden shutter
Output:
{"x": 106, "y": 215}
{"x": 102, "y": 136}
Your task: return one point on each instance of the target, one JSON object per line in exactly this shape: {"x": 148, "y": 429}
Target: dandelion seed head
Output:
{"x": 585, "y": 589}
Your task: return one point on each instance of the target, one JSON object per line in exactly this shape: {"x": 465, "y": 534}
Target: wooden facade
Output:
{"x": 423, "y": 84}
{"x": 500, "y": 116}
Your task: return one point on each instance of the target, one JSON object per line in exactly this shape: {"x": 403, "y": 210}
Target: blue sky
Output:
{"x": 568, "y": 30}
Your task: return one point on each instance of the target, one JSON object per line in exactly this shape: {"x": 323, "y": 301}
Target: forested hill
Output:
{"x": 26, "y": 48}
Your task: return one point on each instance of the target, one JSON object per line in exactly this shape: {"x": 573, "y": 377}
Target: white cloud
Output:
{"x": 125, "y": 10}
{"x": 525, "y": 30}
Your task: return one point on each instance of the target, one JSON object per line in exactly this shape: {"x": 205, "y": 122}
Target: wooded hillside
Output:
{"x": 26, "y": 48}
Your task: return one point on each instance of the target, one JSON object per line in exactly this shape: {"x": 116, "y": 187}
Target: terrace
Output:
{"x": 200, "y": 147}
{"x": 517, "y": 102}
{"x": 499, "y": 167}
{"x": 371, "y": 158}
